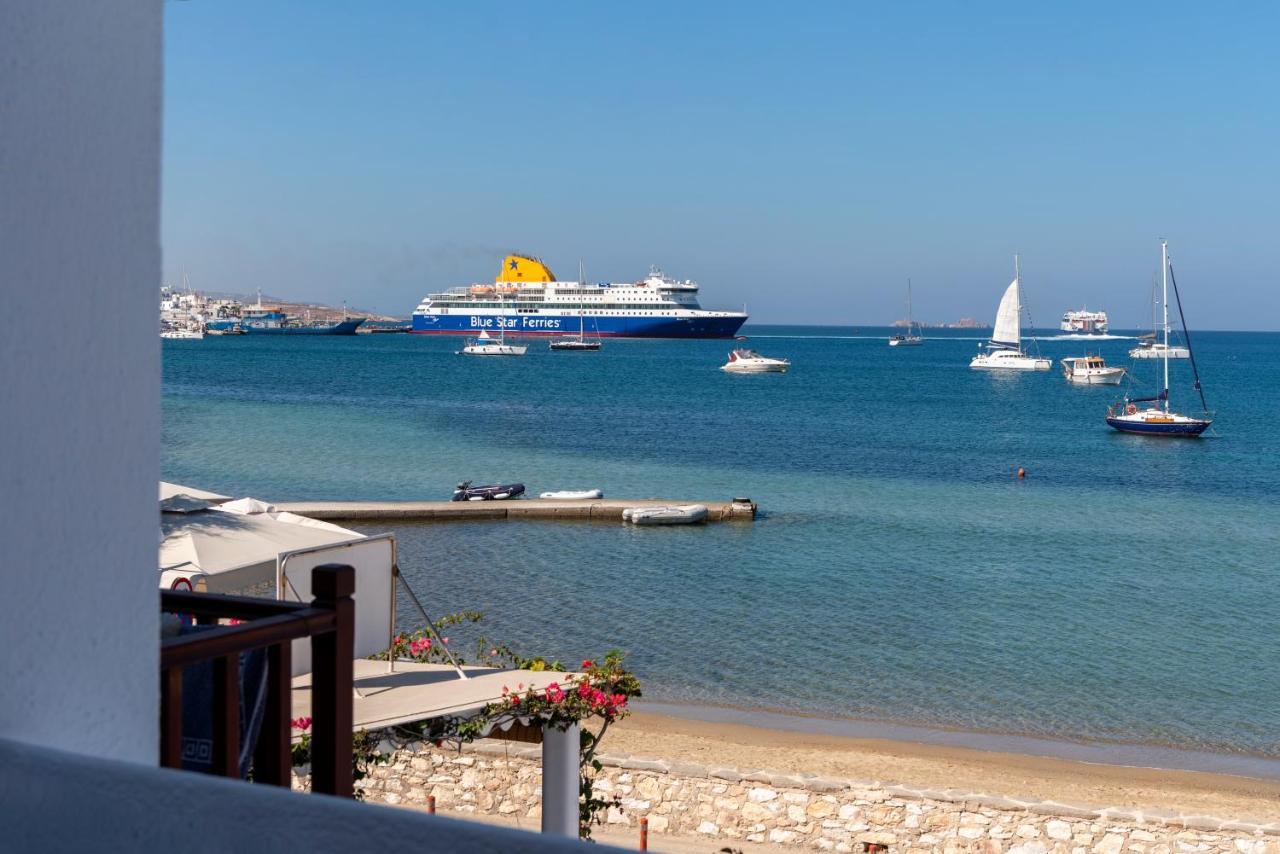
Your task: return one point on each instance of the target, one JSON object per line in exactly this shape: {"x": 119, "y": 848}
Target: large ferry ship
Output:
{"x": 1085, "y": 322}
{"x": 526, "y": 299}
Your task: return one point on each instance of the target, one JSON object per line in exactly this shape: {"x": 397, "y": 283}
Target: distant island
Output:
{"x": 962, "y": 323}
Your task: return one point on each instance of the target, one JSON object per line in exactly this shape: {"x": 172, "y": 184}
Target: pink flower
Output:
{"x": 553, "y": 693}
{"x": 301, "y": 723}
{"x": 587, "y": 664}
{"x": 584, "y": 690}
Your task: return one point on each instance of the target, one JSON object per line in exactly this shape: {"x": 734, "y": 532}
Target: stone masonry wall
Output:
{"x": 724, "y": 805}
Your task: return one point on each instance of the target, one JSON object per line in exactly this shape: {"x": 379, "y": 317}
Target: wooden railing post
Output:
{"x": 226, "y": 715}
{"x": 273, "y": 760}
{"x": 171, "y": 717}
{"x": 331, "y": 682}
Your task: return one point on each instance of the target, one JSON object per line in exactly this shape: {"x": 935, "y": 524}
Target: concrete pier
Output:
{"x": 603, "y": 509}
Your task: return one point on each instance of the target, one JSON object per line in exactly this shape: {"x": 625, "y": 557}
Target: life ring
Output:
{"x": 1131, "y": 410}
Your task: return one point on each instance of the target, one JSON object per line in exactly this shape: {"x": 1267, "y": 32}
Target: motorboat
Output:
{"x": 1004, "y": 351}
{"x": 484, "y": 345}
{"x": 1091, "y": 370}
{"x": 574, "y": 344}
{"x": 490, "y": 492}
{"x": 573, "y": 495}
{"x": 1158, "y": 419}
{"x": 681, "y": 514}
{"x": 182, "y": 334}
{"x": 744, "y": 361}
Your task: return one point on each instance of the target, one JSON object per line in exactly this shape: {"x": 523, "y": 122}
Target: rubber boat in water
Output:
{"x": 744, "y": 361}
{"x": 682, "y": 514}
{"x": 1091, "y": 370}
{"x": 490, "y": 492}
{"x": 572, "y": 495}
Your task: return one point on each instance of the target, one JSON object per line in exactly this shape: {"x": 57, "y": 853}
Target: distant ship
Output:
{"x": 1085, "y": 322}
{"x": 256, "y": 320}
{"x": 526, "y": 299}
{"x": 273, "y": 322}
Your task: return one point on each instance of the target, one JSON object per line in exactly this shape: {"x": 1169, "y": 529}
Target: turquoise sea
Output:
{"x": 1126, "y": 592}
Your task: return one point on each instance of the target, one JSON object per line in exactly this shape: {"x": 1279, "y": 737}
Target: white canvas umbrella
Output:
{"x": 237, "y": 549}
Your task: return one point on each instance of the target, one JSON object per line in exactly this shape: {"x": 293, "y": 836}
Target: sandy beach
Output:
{"x": 645, "y": 734}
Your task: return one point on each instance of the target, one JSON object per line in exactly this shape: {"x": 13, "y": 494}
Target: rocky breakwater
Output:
{"x": 726, "y": 804}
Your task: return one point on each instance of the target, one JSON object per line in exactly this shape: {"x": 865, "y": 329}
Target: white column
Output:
{"x": 560, "y": 780}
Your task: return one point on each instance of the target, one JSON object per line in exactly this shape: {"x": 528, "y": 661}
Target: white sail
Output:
{"x": 1007, "y": 331}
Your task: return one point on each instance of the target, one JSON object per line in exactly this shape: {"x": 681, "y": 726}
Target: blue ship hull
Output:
{"x": 603, "y": 326}
{"x": 345, "y": 327}
{"x": 1188, "y": 429}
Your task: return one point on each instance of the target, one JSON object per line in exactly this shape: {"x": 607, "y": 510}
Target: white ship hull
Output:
{"x": 1009, "y": 360}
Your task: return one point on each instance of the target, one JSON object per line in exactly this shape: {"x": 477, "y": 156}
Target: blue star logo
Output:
{"x": 513, "y": 264}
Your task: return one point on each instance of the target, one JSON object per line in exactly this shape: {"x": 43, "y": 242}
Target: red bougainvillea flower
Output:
{"x": 553, "y": 693}
{"x": 301, "y": 723}
{"x": 587, "y": 664}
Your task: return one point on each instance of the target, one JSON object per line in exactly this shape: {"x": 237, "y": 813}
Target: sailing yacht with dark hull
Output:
{"x": 1158, "y": 419}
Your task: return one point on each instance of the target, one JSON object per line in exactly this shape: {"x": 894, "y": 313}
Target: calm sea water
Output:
{"x": 1128, "y": 590}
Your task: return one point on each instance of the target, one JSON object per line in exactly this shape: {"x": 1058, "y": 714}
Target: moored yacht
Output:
{"x": 1004, "y": 350}
{"x": 911, "y": 338}
{"x": 1091, "y": 370}
{"x": 744, "y": 361}
{"x": 1158, "y": 419}
{"x": 483, "y": 345}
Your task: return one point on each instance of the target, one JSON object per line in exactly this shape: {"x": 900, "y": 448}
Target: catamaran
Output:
{"x": 484, "y": 345}
{"x": 1004, "y": 350}
{"x": 907, "y": 340}
{"x": 1157, "y": 419}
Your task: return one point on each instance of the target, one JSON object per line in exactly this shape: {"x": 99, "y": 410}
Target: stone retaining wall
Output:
{"x": 725, "y": 805}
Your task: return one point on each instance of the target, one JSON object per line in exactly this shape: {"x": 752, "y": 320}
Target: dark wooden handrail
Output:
{"x": 329, "y": 620}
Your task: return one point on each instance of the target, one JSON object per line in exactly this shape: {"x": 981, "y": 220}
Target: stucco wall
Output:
{"x": 80, "y": 105}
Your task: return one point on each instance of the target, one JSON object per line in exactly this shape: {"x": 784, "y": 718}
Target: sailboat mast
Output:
{"x": 908, "y": 306}
{"x": 1164, "y": 270}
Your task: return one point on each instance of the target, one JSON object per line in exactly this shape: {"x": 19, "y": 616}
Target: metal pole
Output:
{"x": 644, "y": 833}
{"x": 560, "y": 771}
{"x": 431, "y": 804}
{"x": 1164, "y": 270}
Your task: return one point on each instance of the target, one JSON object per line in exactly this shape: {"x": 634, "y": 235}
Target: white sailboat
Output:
{"x": 908, "y": 340}
{"x": 1004, "y": 350}
{"x": 484, "y": 345}
{"x": 579, "y": 344}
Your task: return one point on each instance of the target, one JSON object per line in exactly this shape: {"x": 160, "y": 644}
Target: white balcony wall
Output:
{"x": 80, "y": 109}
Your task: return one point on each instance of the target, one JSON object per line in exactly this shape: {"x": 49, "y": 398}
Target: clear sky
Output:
{"x": 802, "y": 158}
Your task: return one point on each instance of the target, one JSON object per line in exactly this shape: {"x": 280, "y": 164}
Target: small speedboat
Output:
{"x": 491, "y": 492}
{"x": 575, "y": 345}
{"x": 573, "y": 495}
{"x": 744, "y": 361}
{"x": 681, "y": 514}
{"x": 1090, "y": 370}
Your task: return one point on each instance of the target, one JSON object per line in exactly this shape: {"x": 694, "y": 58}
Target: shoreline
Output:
{"x": 652, "y": 732}
{"x": 1120, "y": 754}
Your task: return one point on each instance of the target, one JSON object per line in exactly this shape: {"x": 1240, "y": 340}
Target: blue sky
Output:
{"x": 803, "y": 159}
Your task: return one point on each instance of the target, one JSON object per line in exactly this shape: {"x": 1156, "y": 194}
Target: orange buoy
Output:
{"x": 1022, "y": 472}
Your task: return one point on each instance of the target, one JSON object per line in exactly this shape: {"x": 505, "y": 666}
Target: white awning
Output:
{"x": 238, "y": 549}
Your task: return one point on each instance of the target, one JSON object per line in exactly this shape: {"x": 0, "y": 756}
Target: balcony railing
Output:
{"x": 272, "y": 626}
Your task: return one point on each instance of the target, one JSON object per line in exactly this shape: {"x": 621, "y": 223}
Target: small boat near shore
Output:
{"x": 483, "y": 345}
{"x": 744, "y": 361}
{"x": 1091, "y": 370}
{"x": 680, "y": 514}
{"x": 490, "y": 492}
{"x": 573, "y": 495}
{"x": 182, "y": 334}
